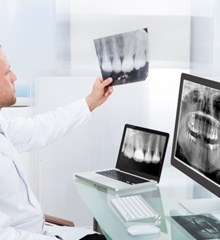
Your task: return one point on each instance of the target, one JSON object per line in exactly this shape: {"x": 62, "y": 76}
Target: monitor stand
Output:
{"x": 204, "y": 205}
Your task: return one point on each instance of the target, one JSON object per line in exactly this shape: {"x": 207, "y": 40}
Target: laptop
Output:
{"x": 139, "y": 164}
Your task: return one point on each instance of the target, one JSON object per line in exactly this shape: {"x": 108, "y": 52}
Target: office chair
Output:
{"x": 63, "y": 222}
{"x": 58, "y": 221}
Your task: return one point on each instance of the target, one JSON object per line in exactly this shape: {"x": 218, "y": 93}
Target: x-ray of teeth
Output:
{"x": 124, "y": 57}
{"x": 198, "y": 140}
{"x": 143, "y": 147}
{"x": 201, "y": 226}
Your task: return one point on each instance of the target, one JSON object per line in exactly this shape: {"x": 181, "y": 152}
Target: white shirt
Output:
{"x": 21, "y": 217}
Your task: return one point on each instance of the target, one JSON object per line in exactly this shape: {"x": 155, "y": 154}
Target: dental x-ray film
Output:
{"x": 201, "y": 226}
{"x": 124, "y": 57}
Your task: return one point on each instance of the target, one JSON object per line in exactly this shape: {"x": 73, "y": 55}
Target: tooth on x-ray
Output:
{"x": 127, "y": 64}
{"x": 124, "y": 57}
{"x": 148, "y": 156}
{"x": 139, "y": 147}
{"x": 138, "y": 155}
{"x": 106, "y": 64}
{"x": 129, "y": 151}
{"x": 156, "y": 156}
{"x": 129, "y": 147}
{"x": 116, "y": 65}
{"x": 139, "y": 61}
{"x": 116, "y": 62}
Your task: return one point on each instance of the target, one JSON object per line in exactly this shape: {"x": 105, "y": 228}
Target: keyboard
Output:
{"x": 123, "y": 177}
{"x": 133, "y": 208}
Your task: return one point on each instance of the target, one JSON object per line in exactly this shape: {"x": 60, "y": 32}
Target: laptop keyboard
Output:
{"x": 123, "y": 177}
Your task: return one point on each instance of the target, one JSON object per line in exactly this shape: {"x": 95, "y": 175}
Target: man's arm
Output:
{"x": 32, "y": 133}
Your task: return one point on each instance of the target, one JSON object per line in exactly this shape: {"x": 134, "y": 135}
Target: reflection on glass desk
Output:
{"x": 165, "y": 199}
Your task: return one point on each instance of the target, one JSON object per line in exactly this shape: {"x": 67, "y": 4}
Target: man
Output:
{"x": 21, "y": 217}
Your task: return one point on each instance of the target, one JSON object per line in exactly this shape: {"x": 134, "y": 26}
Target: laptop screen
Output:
{"x": 142, "y": 151}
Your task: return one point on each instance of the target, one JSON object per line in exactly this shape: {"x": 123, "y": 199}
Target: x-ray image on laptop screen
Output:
{"x": 124, "y": 56}
{"x": 142, "y": 152}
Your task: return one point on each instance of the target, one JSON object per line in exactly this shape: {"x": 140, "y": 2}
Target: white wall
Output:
{"x": 27, "y": 30}
{"x": 169, "y": 31}
{"x": 205, "y": 39}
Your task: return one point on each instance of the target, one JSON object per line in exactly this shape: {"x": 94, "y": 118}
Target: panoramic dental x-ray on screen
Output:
{"x": 198, "y": 142}
{"x": 124, "y": 57}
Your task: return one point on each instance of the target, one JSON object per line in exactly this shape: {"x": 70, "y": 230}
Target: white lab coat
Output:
{"x": 21, "y": 217}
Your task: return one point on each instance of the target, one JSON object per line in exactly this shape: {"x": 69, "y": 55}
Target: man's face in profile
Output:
{"x": 7, "y": 79}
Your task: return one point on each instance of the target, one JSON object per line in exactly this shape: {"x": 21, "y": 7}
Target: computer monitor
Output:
{"x": 196, "y": 142}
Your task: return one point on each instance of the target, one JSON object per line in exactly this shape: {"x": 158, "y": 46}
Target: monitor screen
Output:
{"x": 196, "y": 143}
{"x": 142, "y": 151}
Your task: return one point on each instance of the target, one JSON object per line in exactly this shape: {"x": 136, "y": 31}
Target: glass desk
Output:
{"x": 173, "y": 189}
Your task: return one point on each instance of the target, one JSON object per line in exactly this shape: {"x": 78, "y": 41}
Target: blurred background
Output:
{"x": 49, "y": 44}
